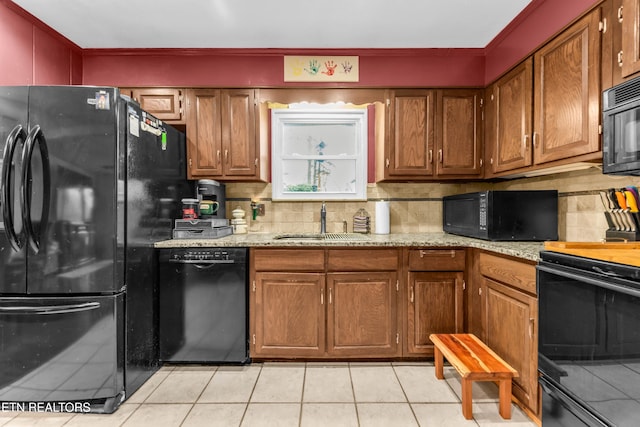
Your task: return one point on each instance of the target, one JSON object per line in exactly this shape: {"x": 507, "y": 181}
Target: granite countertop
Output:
{"x": 526, "y": 250}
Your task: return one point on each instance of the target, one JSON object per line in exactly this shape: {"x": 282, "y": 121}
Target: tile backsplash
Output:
{"x": 417, "y": 207}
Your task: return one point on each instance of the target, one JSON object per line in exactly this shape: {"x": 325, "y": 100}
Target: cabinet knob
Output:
{"x": 620, "y": 59}
{"x": 387, "y": 162}
{"x": 440, "y": 155}
{"x": 602, "y": 25}
{"x": 620, "y": 13}
{"x": 531, "y": 325}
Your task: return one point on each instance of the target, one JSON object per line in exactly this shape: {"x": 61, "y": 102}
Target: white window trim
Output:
{"x": 281, "y": 117}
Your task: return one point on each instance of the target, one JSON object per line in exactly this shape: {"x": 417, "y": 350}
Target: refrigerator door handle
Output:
{"x": 18, "y": 133}
{"x": 51, "y": 309}
{"x": 35, "y": 136}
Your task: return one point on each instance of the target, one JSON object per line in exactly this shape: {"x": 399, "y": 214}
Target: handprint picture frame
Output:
{"x": 321, "y": 68}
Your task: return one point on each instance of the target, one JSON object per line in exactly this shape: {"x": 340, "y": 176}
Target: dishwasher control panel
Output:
{"x": 208, "y": 255}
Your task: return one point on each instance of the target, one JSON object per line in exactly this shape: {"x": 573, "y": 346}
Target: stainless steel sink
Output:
{"x": 322, "y": 236}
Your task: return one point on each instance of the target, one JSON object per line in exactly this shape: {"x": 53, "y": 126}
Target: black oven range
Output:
{"x": 589, "y": 341}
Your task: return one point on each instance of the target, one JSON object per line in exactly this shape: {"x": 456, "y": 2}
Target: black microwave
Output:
{"x": 621, "y": 129}
{"x": 529, "y": 215}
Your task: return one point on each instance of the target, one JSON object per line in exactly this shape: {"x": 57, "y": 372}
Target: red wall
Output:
{"x": 238, "y": 67}
{"x": 31, "y": 53}
{"x": 38, "y": 55}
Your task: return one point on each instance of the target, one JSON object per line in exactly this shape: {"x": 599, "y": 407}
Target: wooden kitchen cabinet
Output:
{"x": 287, "y": 303}
{"x": 510, "y": 317}
{"x": 459, "y": 134}
{"x": 510, "y": 106}
{"x": 435, "y": 297}
{"x": 547, "y": 109}
{"x": 164, "y": 103}
{"x": 621, "y": 43}
{"x": 324, "y": 303}
{"x": 362, "y": 310}
{"x": 409, "y": 146}
{"x": 567, "y": 93}
{"x": 362, "y": 315}
{"x": 288, "y": 315}
{"x": 629, "y": 57}
{"x": 221, "y": 134}
{"x": 434, "y": 134}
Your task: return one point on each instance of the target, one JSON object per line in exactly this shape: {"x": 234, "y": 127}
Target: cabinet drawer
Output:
{"x": 288, "y": 259}
{"x": 514, "y": 273}
{"x": 436, "y": 259}
{"x": 362, "y": 260}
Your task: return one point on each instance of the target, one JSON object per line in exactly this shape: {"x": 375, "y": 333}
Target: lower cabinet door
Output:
{"x": 434, "y": 306}
{"x": 289, "y": 315}
{"x": 510, "y": 321}
{"x": 362, "y": 315}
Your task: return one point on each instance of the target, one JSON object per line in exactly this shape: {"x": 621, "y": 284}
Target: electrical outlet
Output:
{"x": 260, "y": 207}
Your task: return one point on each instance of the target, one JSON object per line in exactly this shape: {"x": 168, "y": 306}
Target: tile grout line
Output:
{"x": 253, "y": 389}
{"x": 304, "y": 379}
{"x": 148, "y": 395}
{"x": 405, "y": 395}
{"x": 353, "y": 392}
{"x": 193, "y": 405}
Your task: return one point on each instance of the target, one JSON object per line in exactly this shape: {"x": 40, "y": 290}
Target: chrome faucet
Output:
{"x": 323, "y": 219}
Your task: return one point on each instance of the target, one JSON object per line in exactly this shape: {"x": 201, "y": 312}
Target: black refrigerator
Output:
{"x": 88, "y": 183}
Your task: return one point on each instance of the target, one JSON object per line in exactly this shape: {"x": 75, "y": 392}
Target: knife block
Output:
{"x": 617, "y": 235}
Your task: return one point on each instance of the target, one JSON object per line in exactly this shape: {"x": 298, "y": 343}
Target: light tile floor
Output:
{"x": 294, "y": 394}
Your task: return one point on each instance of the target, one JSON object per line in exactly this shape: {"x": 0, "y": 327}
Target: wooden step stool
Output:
{"x": 474, "y": 361}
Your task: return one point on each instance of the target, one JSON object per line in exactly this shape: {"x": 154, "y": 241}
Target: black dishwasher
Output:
{"x": 203, "y": 305}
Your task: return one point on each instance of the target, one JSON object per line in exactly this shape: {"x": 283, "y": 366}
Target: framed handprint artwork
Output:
{"x": 321, "y": 69}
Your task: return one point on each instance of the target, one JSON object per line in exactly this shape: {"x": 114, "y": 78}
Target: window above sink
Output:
{"x": 319, "y": 153}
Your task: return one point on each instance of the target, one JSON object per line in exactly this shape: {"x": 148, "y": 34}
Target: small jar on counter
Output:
{"x": 190, "y": 208}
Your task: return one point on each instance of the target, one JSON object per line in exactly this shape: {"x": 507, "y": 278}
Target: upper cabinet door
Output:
{"x": 630, "y": 57}
{"x": 204, "y": 133}
{"x": 238, "y": 133}
{"x": 409, "y": 150}
{"x": 163, "y": 103}
{"x": 567, "y": 92}
{"x": 459, "y": 132}
{"x": 510, "y": 103}
{"x": 221, "y": 134}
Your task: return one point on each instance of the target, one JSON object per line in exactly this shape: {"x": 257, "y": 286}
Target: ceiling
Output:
{"x": 295, "y": 24}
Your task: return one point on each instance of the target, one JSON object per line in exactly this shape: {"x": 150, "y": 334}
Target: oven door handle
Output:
{"x": 584, "y": 277}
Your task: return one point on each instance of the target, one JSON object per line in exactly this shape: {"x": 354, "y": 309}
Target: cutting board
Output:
{"x": 618, "y": 252}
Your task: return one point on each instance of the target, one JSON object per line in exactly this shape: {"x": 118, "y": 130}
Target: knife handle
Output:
{"x": 631, "y": 201}
{"x": 622, "y": 202}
